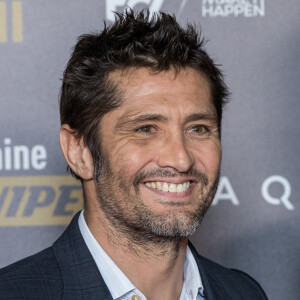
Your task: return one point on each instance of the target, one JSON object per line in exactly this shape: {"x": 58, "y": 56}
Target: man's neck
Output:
{"x": 155, "y": 263}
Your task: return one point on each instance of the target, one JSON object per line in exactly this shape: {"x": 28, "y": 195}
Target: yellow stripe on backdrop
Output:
{"x": 3, "y": 22}
{"x": 39, "y": 200}
{"x": 17, "y": 22}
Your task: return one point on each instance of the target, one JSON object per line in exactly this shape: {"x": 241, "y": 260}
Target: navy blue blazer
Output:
{"x": 66, "y": 270}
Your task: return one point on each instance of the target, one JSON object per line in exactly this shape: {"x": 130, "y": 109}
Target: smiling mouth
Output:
{"x": 169, "y": 187}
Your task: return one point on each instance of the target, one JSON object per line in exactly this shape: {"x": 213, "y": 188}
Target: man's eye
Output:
{"x": 199, "y": 129}
{"x": 146, "y": 129}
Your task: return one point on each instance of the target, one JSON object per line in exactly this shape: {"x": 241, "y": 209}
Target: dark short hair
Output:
{"x": 156, "y": 42}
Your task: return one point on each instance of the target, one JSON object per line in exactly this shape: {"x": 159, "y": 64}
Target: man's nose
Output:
{"x": 175, "y": 154}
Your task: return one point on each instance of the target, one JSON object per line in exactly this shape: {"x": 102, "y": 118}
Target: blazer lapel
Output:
{"x": 81, "y": 277}
{"x": 212, "y": 282}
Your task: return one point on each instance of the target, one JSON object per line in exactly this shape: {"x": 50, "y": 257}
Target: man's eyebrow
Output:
{"x": 133, "y": 120}
{"x": 201, "y": 116}
{"x": 142, "y": 118}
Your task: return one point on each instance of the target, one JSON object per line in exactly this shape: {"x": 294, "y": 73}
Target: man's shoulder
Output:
{"x": 227, "y": 273}
{"x": 234, "y": 282}
{"x": 230, "y": 283}
{"x": 37, "y": 275}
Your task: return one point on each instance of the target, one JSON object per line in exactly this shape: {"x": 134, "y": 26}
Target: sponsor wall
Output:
{"x": 254, "y": 222}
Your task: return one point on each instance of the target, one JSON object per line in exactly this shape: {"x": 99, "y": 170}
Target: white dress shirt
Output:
{"x": 120, "y": 287}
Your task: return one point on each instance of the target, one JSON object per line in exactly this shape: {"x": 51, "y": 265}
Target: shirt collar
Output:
{"x": 192, "y": 280}
{"x": 118, "y": 283}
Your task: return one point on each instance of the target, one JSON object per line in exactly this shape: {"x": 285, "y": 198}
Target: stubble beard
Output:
{"x": 129, "y": 216}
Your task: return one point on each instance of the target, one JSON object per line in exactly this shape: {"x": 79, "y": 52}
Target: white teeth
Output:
{"x": 171, "y": 188}
{"x": 179, "y": 188}
{"x": 165, "y": 187}
{"x": 159, "y": 186}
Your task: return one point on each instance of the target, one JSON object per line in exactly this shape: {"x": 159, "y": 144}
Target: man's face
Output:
{"x": 161, "y": 153}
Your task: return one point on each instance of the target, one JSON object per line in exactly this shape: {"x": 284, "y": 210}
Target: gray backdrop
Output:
{"x": 254, "y": 224}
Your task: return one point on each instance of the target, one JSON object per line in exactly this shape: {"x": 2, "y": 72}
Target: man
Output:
{"x": 141, "y": 109}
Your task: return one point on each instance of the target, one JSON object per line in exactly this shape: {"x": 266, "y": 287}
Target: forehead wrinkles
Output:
{"x": 163, "y": 87}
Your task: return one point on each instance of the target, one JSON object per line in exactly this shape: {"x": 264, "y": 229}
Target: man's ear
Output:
{"x": 76, "y": 153}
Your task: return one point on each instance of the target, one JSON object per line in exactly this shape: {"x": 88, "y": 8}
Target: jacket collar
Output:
{"x": 212, "y": 278}
{"x": 81, "y": 277}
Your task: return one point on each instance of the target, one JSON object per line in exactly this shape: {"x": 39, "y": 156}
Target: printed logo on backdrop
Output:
{"x": 284, "y": 198}
{"x": 152, "y": 5}
{"x": 11, "y": 13}
{"x": 233, "y": 8}
{"x": 34, "y": 200}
